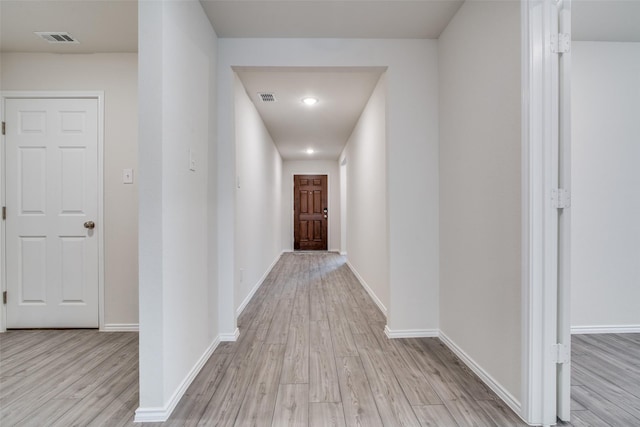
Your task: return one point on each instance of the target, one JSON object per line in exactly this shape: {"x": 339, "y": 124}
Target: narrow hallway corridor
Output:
{"x": 312, "y": 351}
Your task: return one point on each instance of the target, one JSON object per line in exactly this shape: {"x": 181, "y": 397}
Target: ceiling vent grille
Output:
{"x": 57, "y": 37}
{"x": 267, "y": 97}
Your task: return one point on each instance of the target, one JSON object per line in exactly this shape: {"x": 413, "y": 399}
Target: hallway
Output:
{"x": 312, "y": 351}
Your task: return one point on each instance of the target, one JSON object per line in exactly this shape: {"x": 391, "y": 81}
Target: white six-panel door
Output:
{"x": 51, "y": 198}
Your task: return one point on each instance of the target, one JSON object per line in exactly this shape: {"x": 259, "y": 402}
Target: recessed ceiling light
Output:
{"x": 309, "y": 100}
{"x": 310, "y": 151}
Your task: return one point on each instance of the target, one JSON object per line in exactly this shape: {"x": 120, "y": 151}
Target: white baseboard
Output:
{"x": 411, "y": 333}
{"x": 257, "y": 286}
{"x": 498, "y": 389}
{"x": 606, "y": 329}
{"x": 150, "y": 415}
{"x": 159, "y": 415}
{"x": 366, "y": 287}
{"x": 343, "y": 254}
{"x": 121, "y": 327}
{"x": 230, "y": 337}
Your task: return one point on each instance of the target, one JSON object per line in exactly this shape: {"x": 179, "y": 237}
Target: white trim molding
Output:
{"x": 230, "y": 337}
{"x": 120, "y": 327}
{"x": 606, "y": 329}
{"x": 539, "y": 217}
{"x": 366, "y": 287}
{"x": 161, "y": 414}
{"x": 411, "y": 333}
{"x": 257, "y": 286}
{"x": 151, "y": 415}
{"x": 486, "y": 378}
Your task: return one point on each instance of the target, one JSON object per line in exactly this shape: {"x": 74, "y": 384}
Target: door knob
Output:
{"x": 90, "y": 225}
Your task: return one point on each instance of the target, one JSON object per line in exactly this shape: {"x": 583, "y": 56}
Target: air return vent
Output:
{"x": 267, "y": 97}
{"x": 57, "y": 37}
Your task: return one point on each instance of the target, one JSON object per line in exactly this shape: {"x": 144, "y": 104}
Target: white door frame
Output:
{"x": 99, "y": 96}
{"x": 540, "y": 242}
{"x": 564, "y": 224}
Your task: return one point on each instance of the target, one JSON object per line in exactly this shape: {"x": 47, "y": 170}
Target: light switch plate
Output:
{"x": 127, "y": 176}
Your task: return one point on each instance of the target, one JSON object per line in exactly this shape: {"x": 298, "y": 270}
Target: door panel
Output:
{"x": 310, "y": 212}
{"x": 32, "y": 267}
{"x": 52, "y": 190}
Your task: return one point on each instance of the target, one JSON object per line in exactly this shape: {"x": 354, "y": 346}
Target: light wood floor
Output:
{"x": 66, "y": 378}
{"x": 311, "y": 352}
{"x": 605, "y": 380}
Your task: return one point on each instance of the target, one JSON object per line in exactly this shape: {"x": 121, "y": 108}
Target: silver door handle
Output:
{"x": 90, "y": 225}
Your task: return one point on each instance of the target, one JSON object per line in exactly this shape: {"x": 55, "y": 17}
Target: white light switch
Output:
{"x": 192, "y": 160}
{"x": 127, "y": 176}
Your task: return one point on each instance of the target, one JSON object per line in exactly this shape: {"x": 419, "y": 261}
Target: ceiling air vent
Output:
{"x": 57, "y": 37}
{"x": 267, "y": 97}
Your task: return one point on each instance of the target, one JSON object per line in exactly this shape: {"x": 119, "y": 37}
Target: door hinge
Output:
{"x": 4, "y": 297}
{"x": 560, "y": 353}
{"x": 4, "y": 212}
{"x": 560, "y": 43}
{"x": 561, "y": 198}
{"x": 4, "y": 128}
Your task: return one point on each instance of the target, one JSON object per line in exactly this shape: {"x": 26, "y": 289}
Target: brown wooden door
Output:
{"x": 310, "y": 212}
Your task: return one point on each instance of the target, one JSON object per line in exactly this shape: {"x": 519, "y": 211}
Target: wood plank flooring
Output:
{"x": 605, "y": 380}
{"x": 312, "y": 351}
{"x": 66, "y": 378}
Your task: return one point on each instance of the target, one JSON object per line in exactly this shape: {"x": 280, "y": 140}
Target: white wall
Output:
{"x": 311, "y": 167}
{"x": 258, "y": 198}
{"x": 366, "y": 157}
{"x": 343, "y": 206}
{"x": 605, "y": 243}
{"x": 412, "y": 159}
{"x": 480, "y": 188}
{"x": 178, "y": 307}
{"x": 117, "y": 75}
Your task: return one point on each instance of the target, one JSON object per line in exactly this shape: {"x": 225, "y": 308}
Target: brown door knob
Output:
{"x": 90, "y": 225}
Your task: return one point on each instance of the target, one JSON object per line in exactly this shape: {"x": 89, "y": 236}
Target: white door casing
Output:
{"x": 51, "y": 166}
{"x": 564, "y": 219}
{"x": 545, "y": 283}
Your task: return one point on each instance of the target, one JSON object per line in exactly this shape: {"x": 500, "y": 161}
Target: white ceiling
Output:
{"x": 324, "y": 127}
{"x": 112, "y": 26}
{"x": 331, "y": 18}
{"x": 99, "y": 25}
{"x": 343, "y": 94}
